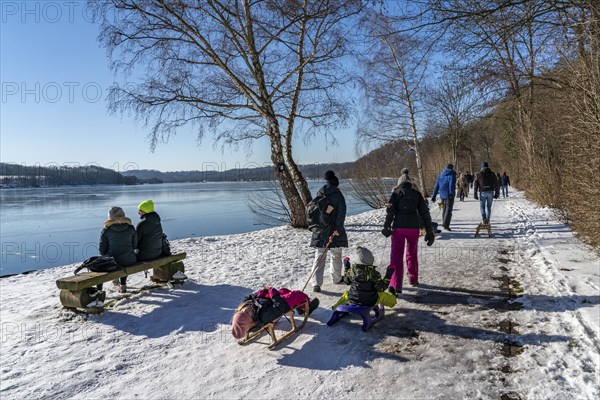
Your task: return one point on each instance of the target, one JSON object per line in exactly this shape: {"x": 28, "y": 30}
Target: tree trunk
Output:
{"x": 292, "y": 196}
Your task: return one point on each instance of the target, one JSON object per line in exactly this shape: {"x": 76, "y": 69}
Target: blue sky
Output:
{"x": 53, "y": 107}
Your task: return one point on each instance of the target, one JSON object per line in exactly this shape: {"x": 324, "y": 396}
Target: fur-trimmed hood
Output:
{"x": 118, "y": 220}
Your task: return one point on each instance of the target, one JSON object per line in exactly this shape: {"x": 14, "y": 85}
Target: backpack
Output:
{"x": 487, "y": 181}
{"x": 99, "y": 264}
{"x": 166, "y": 246}
{"x": 319, "y": 213}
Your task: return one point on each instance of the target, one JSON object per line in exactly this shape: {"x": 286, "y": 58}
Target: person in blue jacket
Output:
{"x": 446, "y": 187}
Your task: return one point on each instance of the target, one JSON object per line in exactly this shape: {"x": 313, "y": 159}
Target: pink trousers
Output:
{"x": 400, "y": 237}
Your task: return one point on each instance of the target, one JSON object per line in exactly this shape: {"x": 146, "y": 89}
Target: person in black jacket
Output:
{"x": 118, "y": 239}
{"x": 488, "y": 187}
{"x": 335, "y": 231}
{"x": 406, "y": 211}
{"x": 149, "y": 232}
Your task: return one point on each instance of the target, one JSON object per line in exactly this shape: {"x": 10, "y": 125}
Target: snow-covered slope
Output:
{"x": 516, "y": 315}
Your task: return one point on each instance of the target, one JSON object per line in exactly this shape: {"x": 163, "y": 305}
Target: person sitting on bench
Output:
{"x": 265, "y": 306}
{"x": 149, "y": 232}
{"x": 367, "y": 287}
{"x": 118, "y": 239}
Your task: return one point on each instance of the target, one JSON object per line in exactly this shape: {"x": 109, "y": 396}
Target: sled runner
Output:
{"x": 303, "y": 310}
{"x": 364, "y": 311}
{"x": 481, "y": 226}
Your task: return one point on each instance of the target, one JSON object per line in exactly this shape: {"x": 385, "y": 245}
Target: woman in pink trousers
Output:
{"x": 404, "y": 211}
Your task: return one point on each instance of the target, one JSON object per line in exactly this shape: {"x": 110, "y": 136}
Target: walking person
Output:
{"x": 406, "y": 210}
{"x": 446, "y": 186}
{"x": 505, "y": 181}
{"x": 488, "y": 186}
{"x": 149, "y": 232}
{"x": 118, "y": 239}
{"x": 335, "y": 231}
{"x": 462, "y": 184}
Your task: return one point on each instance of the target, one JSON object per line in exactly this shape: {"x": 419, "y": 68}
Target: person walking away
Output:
{"x": 488, "y": 187}
{"x": 118, "y": 239}
{"x": 446, "y": 186}
{"x": 149, "y": 232}
{"x": 405, "y": 211}
{"x": 505, "y": 181}
{"x": 462, "y": 184}
{"x": 336, "y": 229}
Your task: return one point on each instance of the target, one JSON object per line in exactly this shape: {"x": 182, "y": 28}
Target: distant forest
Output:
{"x": 17, "y": 175}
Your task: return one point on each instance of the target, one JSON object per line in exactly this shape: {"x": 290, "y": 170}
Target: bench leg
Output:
{"x": 166, "y": 272}
{"x": 81, "y": 298}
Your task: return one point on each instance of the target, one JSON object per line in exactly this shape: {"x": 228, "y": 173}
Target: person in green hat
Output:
{"x": 149, "y": 232}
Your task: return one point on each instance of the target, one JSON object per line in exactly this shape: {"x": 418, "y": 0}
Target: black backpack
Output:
{"x": 319, "y": 213}
{"x": 166, "y": 246}
{"x": 99, "y": 264}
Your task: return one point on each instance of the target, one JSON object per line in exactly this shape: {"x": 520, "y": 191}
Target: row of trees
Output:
{"x": 458, "y": 81}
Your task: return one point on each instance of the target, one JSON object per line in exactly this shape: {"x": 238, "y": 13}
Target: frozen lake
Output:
{"x": 46, "y": 227}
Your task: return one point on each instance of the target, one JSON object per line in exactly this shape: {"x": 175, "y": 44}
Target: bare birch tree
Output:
{"x": 247, "y": 70}
{"x": 394, "y": 69}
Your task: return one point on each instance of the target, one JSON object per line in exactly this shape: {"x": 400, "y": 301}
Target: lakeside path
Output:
{"x": 516, "y": 316}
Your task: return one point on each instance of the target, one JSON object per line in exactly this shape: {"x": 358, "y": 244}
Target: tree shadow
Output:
{"x": 189, "y": 308}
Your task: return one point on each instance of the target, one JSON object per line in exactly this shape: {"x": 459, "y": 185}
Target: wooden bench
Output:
{"x": 77, "y": 291}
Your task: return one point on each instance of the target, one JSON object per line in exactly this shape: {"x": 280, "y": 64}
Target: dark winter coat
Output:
{"x": 505, "y": 180}
{"x": 149, "y": 237}
{"x": 405, "y": 207}
{"x": 319, "y": 239}
{"x": 486, "y": 181}
{"x": 267, "y": 310}
{"x": 365, "y": 284}
{"x": 445, "y": 184}
{"x": 118, "y": 239}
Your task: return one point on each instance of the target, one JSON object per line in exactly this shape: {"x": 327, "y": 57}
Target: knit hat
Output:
{"x": 146, "y": 206}
{"x": 364, "y": 256}
{"x": 484, "y": 165}
{"x": 115, "y": 212}
{"x": 331, "y": 178}
{"x": 450, "y": 166}
{"x": 404, "y": 177}
{"x": 242, "y": 321}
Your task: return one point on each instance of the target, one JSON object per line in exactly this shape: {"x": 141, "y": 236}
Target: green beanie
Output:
{"x": 146, "y": 206}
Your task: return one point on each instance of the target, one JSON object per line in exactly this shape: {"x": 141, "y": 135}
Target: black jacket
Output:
{"x": 118, "y": 239}
{"x": 407, "y": 209}
{"x": 319, "y": 239}
{"x": 366, "y": 283}
{"x": 149, "y": 237}
{"x": 267, "y": 310}
{"x": 486, "y": 181}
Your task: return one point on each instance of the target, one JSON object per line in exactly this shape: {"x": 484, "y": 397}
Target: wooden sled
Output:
{"x": 364, "y": 311}
{"x": 481, "y": 226}
{"x": 270, "y": 327}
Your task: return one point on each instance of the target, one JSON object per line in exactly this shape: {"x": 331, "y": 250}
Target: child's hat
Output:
{"x": 242, "y": 322}
{"x": 364, "y": 255}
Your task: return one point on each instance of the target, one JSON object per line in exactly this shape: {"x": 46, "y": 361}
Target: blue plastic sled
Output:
{"x": 364, "y": 311}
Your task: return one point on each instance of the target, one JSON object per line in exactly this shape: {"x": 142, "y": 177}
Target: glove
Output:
{"x": 475, "y": 196}
{"x": 433, "y": 199}
{"x": 429, "y": 237}
{"x": 387, "y": 232}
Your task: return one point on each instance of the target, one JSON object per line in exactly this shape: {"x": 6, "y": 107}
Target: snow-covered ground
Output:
{"x": 516, "y": 316}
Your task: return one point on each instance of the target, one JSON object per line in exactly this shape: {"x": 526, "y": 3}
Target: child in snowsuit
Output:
{"x": 264, "y": 306}
{"x": 367, "y": 288}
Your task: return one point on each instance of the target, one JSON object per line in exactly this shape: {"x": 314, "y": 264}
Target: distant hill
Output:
{"x": 18, "y": 175}
{"x": 309, "y": 171}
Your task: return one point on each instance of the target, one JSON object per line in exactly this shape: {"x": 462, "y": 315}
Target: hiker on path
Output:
{"x": 488, "y": 187}
{"x": 462, "y": 183}
{"x": 265, "y": 306}
{"x": 149, "y": 232}
{"x": 446, "y": 186}
{"x": 336, "y": 229}
{"x": 118, "y": 239}
{"x": 406, "y": 210}
{"x": 505, "y": 181}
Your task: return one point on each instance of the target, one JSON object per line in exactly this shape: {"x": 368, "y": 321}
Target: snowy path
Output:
{"x": 516, "y": 316}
